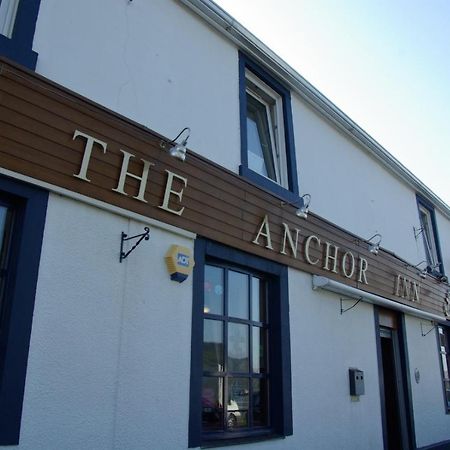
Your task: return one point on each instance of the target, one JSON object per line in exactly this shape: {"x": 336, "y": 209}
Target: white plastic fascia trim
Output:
{"x": 100, "y": 204}
{"x": 339, "y": 288}
{"x": 233, "y": 30}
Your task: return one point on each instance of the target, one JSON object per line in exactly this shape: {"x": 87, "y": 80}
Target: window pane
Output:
{"x": 260, "y": 152}
{"x": 238, "y": 359}
{"x": 447, "y": 393}
{"x": 428, "y": 236}
{"x": 212, "y": 403}
{"x": 213, "y": 346}
{"x": 259, "y": 402}
{"x": 5, "y": 232}
{"x": 213, "y": 290}
{"x": 238, "y": 301}
{"x": 259, "y": 350}
{"x": 238, "y": 398}
{"x": 258, "y": 300}
{"x": 445, "y": 367}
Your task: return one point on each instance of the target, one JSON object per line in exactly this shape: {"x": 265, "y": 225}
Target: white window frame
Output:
{"x": 8, "y": 14}
{"x": 273, "y": 103}
{"x": 429, "y": 239}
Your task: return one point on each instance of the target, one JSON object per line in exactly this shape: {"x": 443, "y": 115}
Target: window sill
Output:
{"x": 242, "y": 438}
{"x": 268, "y": 185}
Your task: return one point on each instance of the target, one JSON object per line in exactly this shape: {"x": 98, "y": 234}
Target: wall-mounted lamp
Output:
{"x": 442, "y": 278}
{"x": 422, "y": 272}
{"x": 374, "y": 247}
{"x": 302, "y": 205}
{"x": 177, "y": 150}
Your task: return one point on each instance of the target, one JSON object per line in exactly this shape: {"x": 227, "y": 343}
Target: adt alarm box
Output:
{"x": 356, "y": 381}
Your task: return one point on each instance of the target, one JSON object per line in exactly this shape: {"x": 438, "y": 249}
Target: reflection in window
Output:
{"x": 213, "y": 345}
{"x": 213, "y": 290}
{"x": 238, "y": 304}
{"x": 234, "y": 351}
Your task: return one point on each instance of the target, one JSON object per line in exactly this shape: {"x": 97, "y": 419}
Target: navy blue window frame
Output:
{"x": 19, "y": 47}
{"x": 280, "y": 393}
{"x": 291, "y": 194}
{"x": 424, "y": 203}
{"x": 446, "y": 331}
{"x": 29, "y": 205}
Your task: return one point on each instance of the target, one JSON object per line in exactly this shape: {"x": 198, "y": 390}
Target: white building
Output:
{"x": 291, "y": 332}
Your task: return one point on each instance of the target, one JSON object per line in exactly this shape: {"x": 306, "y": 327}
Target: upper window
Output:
{"x": 267, "y": 141}
{"x": 17, "y": 26}
{"x": 8, "y": 13}
{"x": 22, "y": 216}
{"x": 444, "y": 350}
{"x": 240, "y": 380}
{"x": 428, "y": 230}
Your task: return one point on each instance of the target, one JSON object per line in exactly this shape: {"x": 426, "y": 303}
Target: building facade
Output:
{"x": 279, "y": 285}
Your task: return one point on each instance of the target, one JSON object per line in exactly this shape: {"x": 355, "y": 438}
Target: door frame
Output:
{"x": 401, "y": 361}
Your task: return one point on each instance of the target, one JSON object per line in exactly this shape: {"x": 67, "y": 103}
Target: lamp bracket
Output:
{"x": 124, "y": 237}
{"x": 418, "y": 231}
{"x": 342, "y": 300}
{"x": 433, "y": 327}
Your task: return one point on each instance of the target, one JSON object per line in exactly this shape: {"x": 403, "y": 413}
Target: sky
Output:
{"x": 384, "y": 63}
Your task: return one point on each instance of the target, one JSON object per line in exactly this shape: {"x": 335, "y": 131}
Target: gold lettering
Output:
{"x": 287, "y": 234}
{"x": 406, "y": 288}
{"x": 363, "y": 266}
{"x": 351, "y": 265}
{"x": 169, "y": 191}
{"x": 329, "y": 257}
{"x": 90, "y": 141}
{"x": 415, "y": 292}
{"x": 266, "y": 233}
{"x": 124, "y": 173}
{"x": 397, "y": 286}
{"x": 307, "y": 246}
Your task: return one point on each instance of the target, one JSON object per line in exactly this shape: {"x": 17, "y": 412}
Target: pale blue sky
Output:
{"x": 386, "y": 64}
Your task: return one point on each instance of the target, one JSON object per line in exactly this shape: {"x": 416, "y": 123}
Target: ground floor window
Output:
{"x": 240, "y": 382}
{"x": 444, "y": 350}
{"x": 22, "y": 217}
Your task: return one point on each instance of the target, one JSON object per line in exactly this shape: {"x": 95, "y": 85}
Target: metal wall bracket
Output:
{"x": 145, "y": 235}
{"x": 342, "y": 300}
{"x": 433, "y": 327}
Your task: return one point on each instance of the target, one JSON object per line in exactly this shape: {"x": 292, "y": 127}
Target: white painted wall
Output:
{"x": 324, "y": 345}
{"x": 351, "y": 189}
{"x": 109, "y": 362}
{"x": 431, "y": 422}
{"x": 152, "y": 61}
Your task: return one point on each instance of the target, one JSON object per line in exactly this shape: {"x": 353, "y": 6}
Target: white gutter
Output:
{"x": 343, "y": 289}
{"x": 245, "y": 40}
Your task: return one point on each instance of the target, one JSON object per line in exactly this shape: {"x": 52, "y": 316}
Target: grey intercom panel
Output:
{"x": 356, "y": 381}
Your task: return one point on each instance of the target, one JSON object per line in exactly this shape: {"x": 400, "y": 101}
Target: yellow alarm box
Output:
{"x": 179, "y": 261}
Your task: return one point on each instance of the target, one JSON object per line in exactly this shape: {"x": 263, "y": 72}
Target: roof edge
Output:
{"x": 244, "y": 39}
